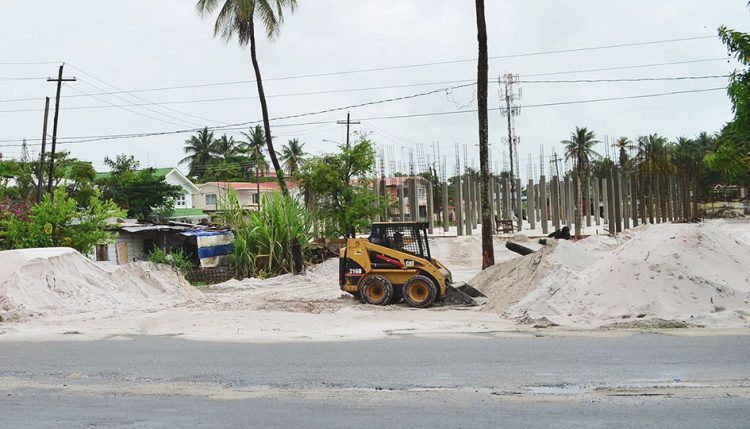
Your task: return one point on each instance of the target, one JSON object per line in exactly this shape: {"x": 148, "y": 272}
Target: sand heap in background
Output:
{"x": 689, "y": 272}
{"x": 45, "y": 283}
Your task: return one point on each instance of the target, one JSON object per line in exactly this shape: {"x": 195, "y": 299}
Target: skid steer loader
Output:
{"x": 395, "y": 263}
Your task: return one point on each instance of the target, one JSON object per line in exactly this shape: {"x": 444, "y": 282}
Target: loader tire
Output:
{"x": 419, "y": 291}
{"x": 376, "y": 290}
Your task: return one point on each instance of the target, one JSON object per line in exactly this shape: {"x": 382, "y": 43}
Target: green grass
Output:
{"x": 175, "y": 259}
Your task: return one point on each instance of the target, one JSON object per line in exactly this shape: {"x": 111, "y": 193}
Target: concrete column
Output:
{"x": 555, "y": 201}
{"x": 587, "y": 199}
{"x": 634, "y": 199}
{"x": 467, "y": 206}
{"x": 519, "y": 209}
{"x": 605, "y": 199}
{"x": 507, "y": 209}
{"x": 385, "y": 194}
{"x": 617, "y": 198}
{"x": 491, "y": 190}
{"x": 611, "y": 202}
{"x": 543, "y": 202}
{"x": 401, "y": 204}
{"x": 376, "y": 191}
{"x": 564, "y": 202}
{"x": 413, "y": 200}
{"x": 475, "y": 205}
{"x": 498, "y": 198}
{"x": 446, "y": 228}
{"x": 595, "y": 202}
{"x": 530, "y": 206}
{"x": 657, "y": 199}
{"x": 458, "y": 205}
{"x": 430, "y": 208}
{"x": 626, "y": 201}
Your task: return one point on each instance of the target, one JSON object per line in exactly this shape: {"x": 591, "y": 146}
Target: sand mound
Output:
{"x": 685, "y": 272}
{"x": 51, "y": 282}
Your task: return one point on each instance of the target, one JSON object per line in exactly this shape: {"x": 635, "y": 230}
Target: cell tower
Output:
{"x": 510, "y": 93}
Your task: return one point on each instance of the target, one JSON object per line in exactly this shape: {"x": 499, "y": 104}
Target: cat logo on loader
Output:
{"x": 394, "y": 263}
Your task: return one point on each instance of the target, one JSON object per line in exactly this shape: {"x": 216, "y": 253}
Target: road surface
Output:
{"x": 471, "y": 381}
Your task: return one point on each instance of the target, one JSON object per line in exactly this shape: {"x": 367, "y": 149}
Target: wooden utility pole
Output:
{"x": 348, "y": 124}
{"x": 59, "y": 81}
{"x": 40, "y": 179}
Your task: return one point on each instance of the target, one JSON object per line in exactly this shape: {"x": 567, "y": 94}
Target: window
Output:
{"x": 210, "y": 199}
{"x": 422, "y": 193}
{"x": 255, "y": 198}
{"x": 180, "y": 201}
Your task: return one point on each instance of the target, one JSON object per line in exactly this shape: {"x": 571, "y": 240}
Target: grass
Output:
{"x": 263, "y": 239}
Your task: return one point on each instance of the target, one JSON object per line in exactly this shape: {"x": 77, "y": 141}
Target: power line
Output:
{"x": 637, "y": 66}
{"x": 428, "y": 114}
{"x": 640, "y": 79}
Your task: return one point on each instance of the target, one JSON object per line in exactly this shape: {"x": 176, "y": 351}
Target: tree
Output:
{"x": 137, "y": 191}
{"x": 341, "y": 189}
{"x": 200, "y": 149}
{"x": 225, "y": 147}
{"x": 653, "y": 160}
{"x": 60, "y": 222}
{"x": 237, "y": 17}
{"x": 623, "y": 145}
{"x": 580, "y": 148}
{"x": 253, "y": 146}
{"x": 292, "y": 154}
{"x": 488, "y": 251}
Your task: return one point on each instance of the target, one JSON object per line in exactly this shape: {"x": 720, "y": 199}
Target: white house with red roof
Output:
{"x": 211, "y": 193}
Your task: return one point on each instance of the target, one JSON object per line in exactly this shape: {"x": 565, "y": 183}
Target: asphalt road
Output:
{"x": 638, "y": 381}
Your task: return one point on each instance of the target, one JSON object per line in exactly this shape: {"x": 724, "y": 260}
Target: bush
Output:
{"x": 263, "y": 239}
{"x": 175, "y": 259}
{"x": 59, "y": 223}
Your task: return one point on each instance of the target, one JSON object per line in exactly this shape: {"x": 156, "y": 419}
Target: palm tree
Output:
{"x": 225, "y": 147}
{"x": 237, "y": 17}
{"x": 200, "y": 150}
{"x": 623, "y": 144}
{"x": 488, "y": 253}
{"x": 292, "y": 154}
{"x": 253, "y": 146}
{"x": 580, "y": 149}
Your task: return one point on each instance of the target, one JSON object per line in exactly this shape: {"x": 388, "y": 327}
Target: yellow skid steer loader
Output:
{"x": 395, "y": 263}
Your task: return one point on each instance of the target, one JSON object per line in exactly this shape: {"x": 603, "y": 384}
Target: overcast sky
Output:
{"x": 148, "y": 44}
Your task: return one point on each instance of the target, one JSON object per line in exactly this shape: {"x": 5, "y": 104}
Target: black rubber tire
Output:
{"x": 396, "y": 298}
{"x": 376, "y": 290}
{"x": 420, "y": 291}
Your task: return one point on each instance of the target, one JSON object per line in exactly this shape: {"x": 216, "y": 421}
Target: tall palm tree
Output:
{"x": 200, "y": 150}
{"x": 238, "y": 18}
{"x": 253, "y": 146}
{"x": 292, "y": 154}
{"x": 580, "y": 149}
{"x": 488, "y": 252}
{"x": 623, "y": 145}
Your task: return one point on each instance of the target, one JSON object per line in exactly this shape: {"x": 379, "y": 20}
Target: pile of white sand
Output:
{"x": 53, "y": 282}
{"x": 695, "y": 273}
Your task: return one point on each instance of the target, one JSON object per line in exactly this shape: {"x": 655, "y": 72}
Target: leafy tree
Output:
{"x": 225, "y": 147}
{"x": 237, "y": 18}
{"x": 341, "y": 190}
{"x": 200, "y": 150}
{"x": 137, "y": 191}
{"x": 292, "y": 154}
{"x": 60, "y": 223}
{"x": 580, "y": 148}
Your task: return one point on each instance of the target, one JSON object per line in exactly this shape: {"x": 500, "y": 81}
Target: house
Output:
{"x": 391, "y": 190}
{"x": 212, "y": 193}
{"x": 173, "y": 176}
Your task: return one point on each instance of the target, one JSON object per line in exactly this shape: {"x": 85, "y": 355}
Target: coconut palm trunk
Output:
{"x": 264, "y": 111}
{"x": 488, "y": 251}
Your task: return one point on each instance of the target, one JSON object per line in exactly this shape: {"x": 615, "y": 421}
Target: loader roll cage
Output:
{"x": 409, "y": 237}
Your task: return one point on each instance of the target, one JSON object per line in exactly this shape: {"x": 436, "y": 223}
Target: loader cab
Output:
{"x": 409, "y": 237}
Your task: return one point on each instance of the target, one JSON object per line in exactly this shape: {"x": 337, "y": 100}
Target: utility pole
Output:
{"x": 59, "y": 81}
{"x": 510, "y": 111}
{"x": 39, "y": 185}
{"x": 555, "y": 159}
{"x": 348, "y": 124}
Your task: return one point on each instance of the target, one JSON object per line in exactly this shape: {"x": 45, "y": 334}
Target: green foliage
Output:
{"x": 292, "y": 155}
{"x": 340, "y": 189}
{"x": 580, "y": 148}
{"x": 137, "y": 191}
{"x": 174, "y": 258}
{"x": 60, "y": 223}
{"x": 263, "y": 239}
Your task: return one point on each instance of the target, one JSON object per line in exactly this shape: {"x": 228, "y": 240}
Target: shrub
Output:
{"x": 263, "y": 239}
{"x": 176, "y": 259}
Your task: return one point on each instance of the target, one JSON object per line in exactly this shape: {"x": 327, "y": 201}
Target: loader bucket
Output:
{"x": 463, "y": 294}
